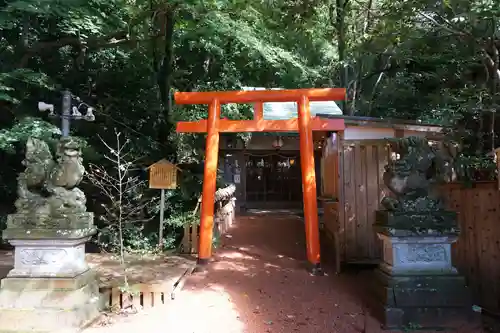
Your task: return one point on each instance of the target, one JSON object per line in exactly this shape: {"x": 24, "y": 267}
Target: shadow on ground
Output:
{"x": 258, "y": 273}
{"x": 6, "y": 262}
{"x": 257, "y": 284}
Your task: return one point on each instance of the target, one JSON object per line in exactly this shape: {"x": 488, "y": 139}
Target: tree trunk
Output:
{"x": 341, "y": 46}
{"x": 164, "y": 81}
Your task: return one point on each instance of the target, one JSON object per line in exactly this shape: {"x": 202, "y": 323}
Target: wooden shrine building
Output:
{"x": 301, "y": 153}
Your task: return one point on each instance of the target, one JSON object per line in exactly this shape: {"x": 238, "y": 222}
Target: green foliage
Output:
{"x": 473, "y": 168}
{"x": 21, "y": 131}
{"x": 404, "y": 59}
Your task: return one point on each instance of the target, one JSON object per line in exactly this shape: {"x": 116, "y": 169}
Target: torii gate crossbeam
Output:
{"x": 304, "y": 124}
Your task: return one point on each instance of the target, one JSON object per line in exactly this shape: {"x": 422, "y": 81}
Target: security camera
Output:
{"x": 42, "y": 106}
{"x": 89, "y": 116}
{"x": 75, "y": 113}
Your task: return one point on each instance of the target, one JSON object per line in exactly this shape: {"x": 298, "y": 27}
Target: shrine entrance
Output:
{"x": 304, "y": 124}
{"x": 273, "y": 179}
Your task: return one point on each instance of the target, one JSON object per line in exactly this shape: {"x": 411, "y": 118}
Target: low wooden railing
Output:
{"x": 225, "y": 203}
{"x": 141, "y": 296}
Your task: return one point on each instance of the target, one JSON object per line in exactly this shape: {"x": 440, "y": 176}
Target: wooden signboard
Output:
{"x": 163, "y": 175}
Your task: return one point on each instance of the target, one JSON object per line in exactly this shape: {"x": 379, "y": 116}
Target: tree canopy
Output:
{"x": 408, "y": 59}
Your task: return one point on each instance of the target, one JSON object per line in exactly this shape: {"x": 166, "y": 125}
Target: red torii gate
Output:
{"x": 304, "y": 124}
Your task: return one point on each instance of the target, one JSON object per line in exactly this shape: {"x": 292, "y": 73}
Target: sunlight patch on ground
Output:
{"x": 285, "y": 257}
{"x": 203, "y": 311}
{"x": 236, "y": 255}
{"x": 195, "y": 311}
{"x": 227, "y": 265}
{"x": 244, "y": 248}
{"x": 269, "y": 265}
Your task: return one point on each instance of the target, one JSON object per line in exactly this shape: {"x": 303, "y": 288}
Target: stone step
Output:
{"x": 420, "y": 291}
{"x": 422, "y": 297}
{"x": 44, "y": 320}
{"x": 48, "y": 283}
{"x": 56, "y": 299}
{"x": 420, "y": 281}
{"x": 419, "y": 301}
{"x": 428, "y": 318}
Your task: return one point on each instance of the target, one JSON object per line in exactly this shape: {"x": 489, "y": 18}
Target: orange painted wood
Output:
{"x": 234, "y": 126}
{"x": 309, "y": 181}
{"x": 290, "y": 95}
{"x": 209, "y": 182}
{"x": 304, "y": 124}
{"x": 258, "y": 111}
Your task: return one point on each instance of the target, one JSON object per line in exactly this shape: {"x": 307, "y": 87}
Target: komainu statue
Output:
{"x": 412, "y": 178}
{"x": 416, "y": 233}
{"x": 47, "y": 189}
{"x": 48, "y": 232}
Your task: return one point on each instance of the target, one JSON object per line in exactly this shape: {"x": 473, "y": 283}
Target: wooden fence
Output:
{"x": 361, "y": 169}
{"x": 140, "y": 296}
{"x": 357, "y": 184}
{"x": 355, "y": 178}
{"x": 224, "y": 219}
{"x": 477, "y": 251}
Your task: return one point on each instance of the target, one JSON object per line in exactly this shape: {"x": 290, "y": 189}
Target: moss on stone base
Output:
{"x": 49, "y": 305}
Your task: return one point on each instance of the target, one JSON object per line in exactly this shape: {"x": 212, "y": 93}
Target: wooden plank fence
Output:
{"x": 476, "y": 254}
{"x": 361, "y": 189}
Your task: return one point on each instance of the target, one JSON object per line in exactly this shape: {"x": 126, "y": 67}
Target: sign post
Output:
{"x": 162, "y": 176}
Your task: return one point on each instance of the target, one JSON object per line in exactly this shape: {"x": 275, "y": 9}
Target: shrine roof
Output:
{"x": 415, "y": 125}
{"x": 288, "y": 110}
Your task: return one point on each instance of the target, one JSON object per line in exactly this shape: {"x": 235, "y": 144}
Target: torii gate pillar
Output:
{"x": 209, "y": 184}
{"x": 309, "y": 184}
{"x": 304, "y": 125}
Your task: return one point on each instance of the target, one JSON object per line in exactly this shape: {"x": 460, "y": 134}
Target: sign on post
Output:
{"x": 162, "y": 176}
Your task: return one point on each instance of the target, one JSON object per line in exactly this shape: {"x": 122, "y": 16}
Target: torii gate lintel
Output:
{"x": 304, "y": 124}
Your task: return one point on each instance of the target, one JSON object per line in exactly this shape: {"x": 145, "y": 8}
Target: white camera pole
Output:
{"x": 66, "y": 113}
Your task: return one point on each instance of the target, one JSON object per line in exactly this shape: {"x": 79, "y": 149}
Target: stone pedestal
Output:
{"x": 410, "y": 255}
{"x": 416, "y": 284}
{"x": 50, "y": 288}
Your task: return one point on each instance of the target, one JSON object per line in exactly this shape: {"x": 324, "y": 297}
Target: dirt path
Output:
{"x": 260, "y": 268}
{"x": 257, "y": 284}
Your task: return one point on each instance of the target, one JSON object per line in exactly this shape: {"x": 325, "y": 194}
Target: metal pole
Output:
{"x": 162, "y": 212}
{"x": 66, "y": 113}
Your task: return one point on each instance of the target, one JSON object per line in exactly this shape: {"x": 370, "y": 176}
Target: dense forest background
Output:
{"x": 435, "y": 61}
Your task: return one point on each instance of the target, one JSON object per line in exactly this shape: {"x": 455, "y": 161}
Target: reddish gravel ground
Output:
{"x": 257, "y": 284}
{"x": 258, "y": 274}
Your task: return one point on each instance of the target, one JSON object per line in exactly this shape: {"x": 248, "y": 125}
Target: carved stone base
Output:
{"x": 50, "y": 288}
{"x": 49, "y": 304}
{"x": 416, "y": 284}
{"x": 49, "y": 258}
{"x": 417, "y": 254}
